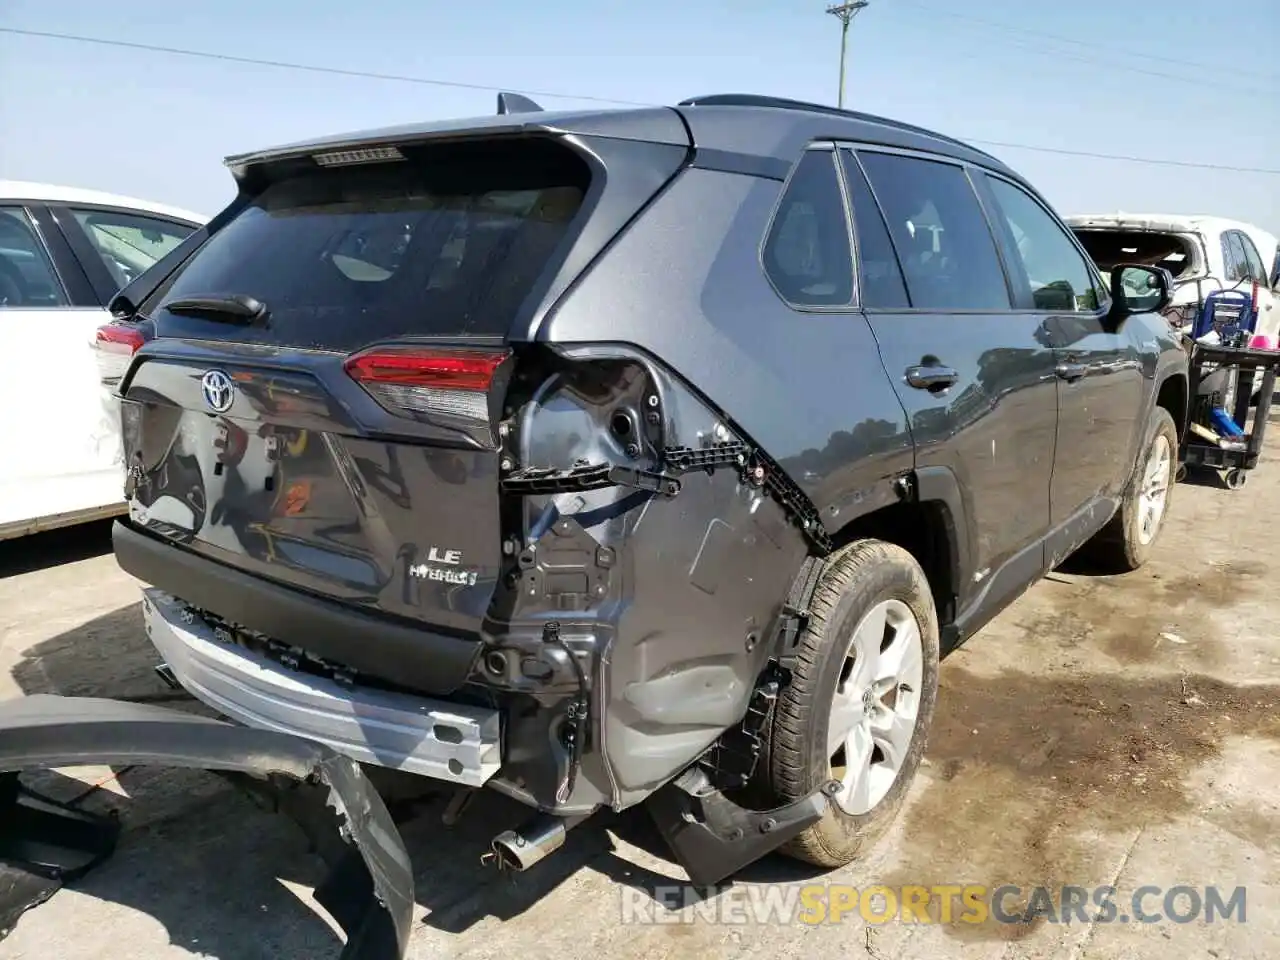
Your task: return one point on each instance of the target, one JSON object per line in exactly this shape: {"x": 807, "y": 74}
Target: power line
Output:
{"x": 338, "y": 71}
{"x": 1091, "y": 45}
{"x": 1124, "y": 157}
{"x": 1192, "y": 80}
{"x": 309, "y": 67}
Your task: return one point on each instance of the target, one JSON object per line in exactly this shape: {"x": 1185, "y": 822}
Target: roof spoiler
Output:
{"x": 515, "y": 103}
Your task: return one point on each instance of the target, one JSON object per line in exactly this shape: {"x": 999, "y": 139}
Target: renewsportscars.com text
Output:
{"x": 940, "y": 903}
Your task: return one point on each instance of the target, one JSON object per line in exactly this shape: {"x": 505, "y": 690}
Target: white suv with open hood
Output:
{"x": 1204, "y": 254}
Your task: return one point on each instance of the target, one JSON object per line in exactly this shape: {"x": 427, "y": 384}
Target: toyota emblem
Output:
{"x": 218, "y": 391}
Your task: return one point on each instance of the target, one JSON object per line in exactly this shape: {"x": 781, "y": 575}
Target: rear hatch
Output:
{"x": 1181, "y": 253}
{"x": 320, "y": 403}
{"x": 1176, "y": 252}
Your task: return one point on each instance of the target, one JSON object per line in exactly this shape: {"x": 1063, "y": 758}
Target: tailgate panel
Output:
{"x": 401, "y": 526}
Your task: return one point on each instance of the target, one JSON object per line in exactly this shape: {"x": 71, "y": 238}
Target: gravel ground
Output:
{"x": 1101, "y": 732}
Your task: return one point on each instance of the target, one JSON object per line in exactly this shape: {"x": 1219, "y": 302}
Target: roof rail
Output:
{"x": 782, "y": 103}
{"x": 515, "y": 103}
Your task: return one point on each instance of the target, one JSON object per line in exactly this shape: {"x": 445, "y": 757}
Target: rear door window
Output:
{"x": 446, "y": 242}
{"x": 1058, "y": 276}
{"x": 881, "y": 285}
{"x": 806, "y": 253}
{"x": 940, "y": 232}
{"x": 27, "y": 277}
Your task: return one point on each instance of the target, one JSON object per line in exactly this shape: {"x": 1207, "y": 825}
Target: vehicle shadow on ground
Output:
{"x": 110, "y": 656}
{"x": 43, "y": 550}
{"x": 221, "y": 874}
{"x": 460, "y": 895}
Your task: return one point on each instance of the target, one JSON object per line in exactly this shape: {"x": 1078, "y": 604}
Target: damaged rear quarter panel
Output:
{"x": 685, "y": 294}
{"x": 677, "y": 598}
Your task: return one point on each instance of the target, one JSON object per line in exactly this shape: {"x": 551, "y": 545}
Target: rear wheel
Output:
{"x": 860, "y": 701}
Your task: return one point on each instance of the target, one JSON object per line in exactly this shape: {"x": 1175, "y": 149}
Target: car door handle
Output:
{"x": 1071, "y": 371}
{"x": 931, "y": 378}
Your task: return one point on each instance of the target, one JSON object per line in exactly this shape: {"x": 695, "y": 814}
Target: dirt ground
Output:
{"x": 1102, "y": 731}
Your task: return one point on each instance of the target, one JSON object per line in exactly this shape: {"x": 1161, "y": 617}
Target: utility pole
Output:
{"x": 845, "y": 12}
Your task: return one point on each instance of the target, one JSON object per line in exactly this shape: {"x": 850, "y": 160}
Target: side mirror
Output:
{"x": 1136, "y": 288}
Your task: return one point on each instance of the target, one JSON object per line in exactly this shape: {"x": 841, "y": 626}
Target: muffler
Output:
{"x": 166, "y": 674}
{"x": 521, "y": 849}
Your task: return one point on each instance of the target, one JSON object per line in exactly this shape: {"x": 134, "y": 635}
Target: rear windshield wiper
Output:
{"x": 234, "y": 308}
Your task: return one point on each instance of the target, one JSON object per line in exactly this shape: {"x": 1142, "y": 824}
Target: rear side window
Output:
{"x": 127, "y": 243}
{"x": 448, "y": 242}
{"x": 27, "y": 277}
{"x": 1252, "y": 260}
{"x": 806, "y": 253}
{"x": 1233, "y": 258}
{"x": 1058, "y": 275}
{"x": 881, "y": 284}
{"x": 940, "y": 232}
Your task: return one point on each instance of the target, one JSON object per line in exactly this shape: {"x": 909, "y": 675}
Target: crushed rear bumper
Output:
{"x": 433, "y": 738}
{"x": 370, "y": 889}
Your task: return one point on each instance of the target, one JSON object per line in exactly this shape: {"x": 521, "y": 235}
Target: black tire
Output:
{"x": 854, "y": 580}
{"x": 1118, "y": 547}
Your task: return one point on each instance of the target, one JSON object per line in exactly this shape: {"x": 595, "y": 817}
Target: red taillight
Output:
{"x": 411, "y": 366}
{"x": 116, "y": 344}
{"x": 116, "y": 338}
{"x": 422, "y": 380}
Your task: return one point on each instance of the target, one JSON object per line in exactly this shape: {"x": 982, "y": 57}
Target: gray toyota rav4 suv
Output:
{"x": 619, "y": 457}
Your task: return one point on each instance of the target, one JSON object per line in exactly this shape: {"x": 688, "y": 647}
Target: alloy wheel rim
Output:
{"x": 872, "y": 721}
{"x": 1153, "y": 494}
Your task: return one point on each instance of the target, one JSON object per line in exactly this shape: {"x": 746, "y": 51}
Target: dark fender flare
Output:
{"x": 1172, "y": 364}
{"x": 1170, "y": 368}
{"x": 939, "y": 485}
{"x": 370, "y": 890}
{"x": 932, "y": 486}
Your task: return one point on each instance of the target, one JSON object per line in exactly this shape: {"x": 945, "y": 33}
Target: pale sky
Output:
{"x": 1154, "y": 81}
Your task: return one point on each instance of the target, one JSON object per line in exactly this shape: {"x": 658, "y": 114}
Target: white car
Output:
{"x": 64, "y": 253}
{"x": 1204, "y": 254}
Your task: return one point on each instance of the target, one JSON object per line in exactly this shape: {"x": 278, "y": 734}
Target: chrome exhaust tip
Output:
{"x": 521, "y": 849}
{"x": 166, "y": 674}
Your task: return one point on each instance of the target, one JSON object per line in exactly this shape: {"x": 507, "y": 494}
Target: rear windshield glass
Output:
{"x": 1169, "y": 250}
{"x": 447, "y": 242}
